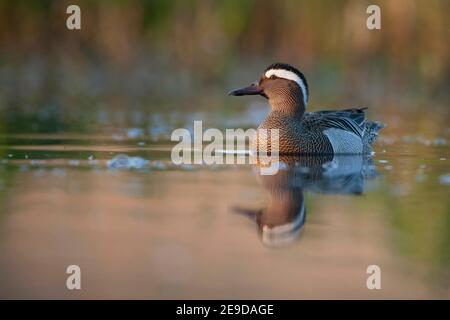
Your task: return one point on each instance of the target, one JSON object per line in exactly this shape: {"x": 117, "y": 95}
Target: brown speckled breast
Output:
{"x": 295, "y": 136}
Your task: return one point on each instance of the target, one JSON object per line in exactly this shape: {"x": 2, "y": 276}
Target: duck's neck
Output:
{"x": 289, "y": 103}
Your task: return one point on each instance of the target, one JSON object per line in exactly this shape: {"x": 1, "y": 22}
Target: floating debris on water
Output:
{"x": 442, "y": 159}
{"x": 141, "y": 143}
{"x": 134, "y": 133}
{"x": 389, "y": 168}
{"x": 123, "y": 161}
{"x": 445, "y": 179}
{"x": 383, "y": 161}
{"x": 423, "y": 140}
{"x": 91, "y": 157}
{"x": 439, "y": 142}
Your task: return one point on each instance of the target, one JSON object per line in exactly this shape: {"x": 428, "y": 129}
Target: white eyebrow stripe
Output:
{"x": 289, "y": 75}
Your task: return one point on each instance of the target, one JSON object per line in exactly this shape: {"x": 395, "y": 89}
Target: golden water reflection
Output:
{"x": 172, "y": 232}
{"x": 283, "y": 219}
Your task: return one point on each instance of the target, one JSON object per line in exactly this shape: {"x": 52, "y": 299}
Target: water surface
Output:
{"x": 139, "y": 226}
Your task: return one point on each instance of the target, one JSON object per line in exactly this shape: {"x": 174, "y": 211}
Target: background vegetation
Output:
{"x": 184, "y": 55}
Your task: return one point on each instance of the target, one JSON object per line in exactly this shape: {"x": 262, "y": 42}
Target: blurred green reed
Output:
{"x": 185, "y": 55}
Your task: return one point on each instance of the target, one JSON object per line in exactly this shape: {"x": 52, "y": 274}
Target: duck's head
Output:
{"x": 283, "y": 85}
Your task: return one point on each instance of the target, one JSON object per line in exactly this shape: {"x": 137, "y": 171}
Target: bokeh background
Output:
{"x": 72, "y": 100}
{"x": 141, "y": 56}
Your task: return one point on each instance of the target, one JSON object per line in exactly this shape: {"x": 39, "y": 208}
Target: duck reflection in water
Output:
{"x": 283, "y": 219}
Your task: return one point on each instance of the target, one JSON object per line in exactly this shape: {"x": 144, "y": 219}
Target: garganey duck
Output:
{"x": 321, "y": 132}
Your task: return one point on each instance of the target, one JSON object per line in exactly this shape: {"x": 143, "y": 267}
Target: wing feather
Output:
{"x": 351, "y": 120}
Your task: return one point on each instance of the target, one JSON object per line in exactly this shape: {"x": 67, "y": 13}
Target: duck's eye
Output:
{"x": 273, "y": 77}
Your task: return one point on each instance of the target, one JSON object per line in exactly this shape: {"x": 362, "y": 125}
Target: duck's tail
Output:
{"x": 370, "y": 134}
